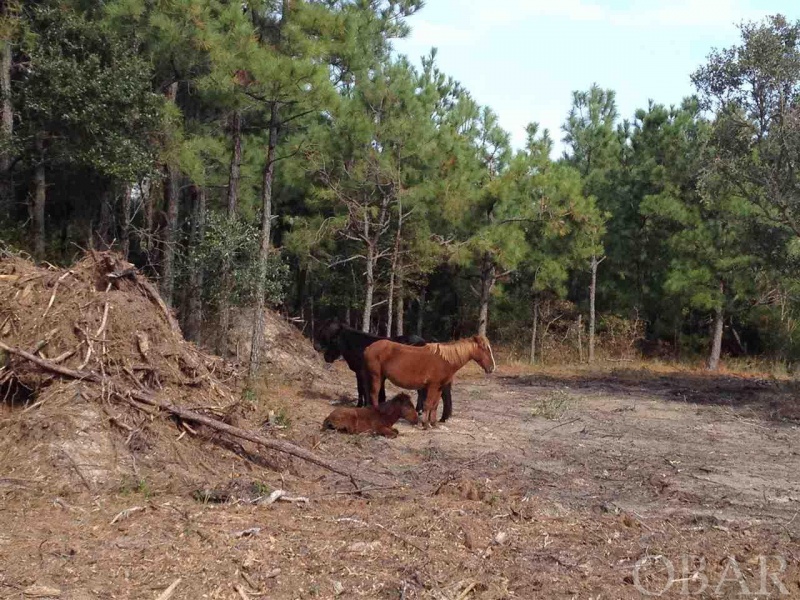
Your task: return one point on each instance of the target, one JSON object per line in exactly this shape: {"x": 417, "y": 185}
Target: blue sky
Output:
{"x": 525, "y": 57}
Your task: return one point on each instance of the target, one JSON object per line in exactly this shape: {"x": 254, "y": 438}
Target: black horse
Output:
{"x": 335, "y": 340}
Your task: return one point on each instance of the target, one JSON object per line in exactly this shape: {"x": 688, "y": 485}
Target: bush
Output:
{"x": 235, "y": 242}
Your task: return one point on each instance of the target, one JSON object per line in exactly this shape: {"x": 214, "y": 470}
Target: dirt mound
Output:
{"x": 287, "y": 353}
{"x": 101, "y": 317}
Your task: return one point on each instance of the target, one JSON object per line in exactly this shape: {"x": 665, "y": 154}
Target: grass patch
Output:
{"x": 280, "y": 418}
{"x": 135, "y": 486}
{"x": 553, "y": 405}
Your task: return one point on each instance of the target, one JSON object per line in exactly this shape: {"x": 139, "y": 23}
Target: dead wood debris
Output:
{"x": 135, "y": 397}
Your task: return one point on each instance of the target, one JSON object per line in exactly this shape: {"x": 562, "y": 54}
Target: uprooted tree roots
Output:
{"x": 101, "y": 323}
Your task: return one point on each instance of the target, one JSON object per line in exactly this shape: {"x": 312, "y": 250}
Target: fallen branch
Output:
{"x": 89, "y": 347}
{"x": 242, "y": 594}
{"x": 362, "y": 490}
{"x": 570, "y": 422}
{"x": 62, "y": 357}
{"x": 55, "y": 289}
{"x": 280, "y": 495}
{"x": 44, "y": 341}
{"x": 133, "y": 396}
{"x": 386, "y": 529}
{"x": 167, "y": 594}
{"x": 467, "y": 590}
{"x": 103, "y": 323}
{"x": 124, "y": 514}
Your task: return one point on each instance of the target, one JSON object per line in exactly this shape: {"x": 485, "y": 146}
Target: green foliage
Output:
{"x": 235, "y": 242}
{"x": 754, "y": 87}
{"x": 87, "y": 93}
{"x": 387, "y": 172}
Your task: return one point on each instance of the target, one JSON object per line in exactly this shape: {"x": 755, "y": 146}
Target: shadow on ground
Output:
{"x": 775, "y": 399}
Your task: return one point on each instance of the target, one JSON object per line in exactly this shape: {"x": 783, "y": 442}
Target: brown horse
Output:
{"x": 429, "y": 367}
{"x": 370, "y": 419}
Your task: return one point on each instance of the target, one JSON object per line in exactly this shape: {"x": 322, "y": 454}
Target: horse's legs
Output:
{"x": 421, "y": 395}
{"x": 447, "y": 397}
{"x": 375, "y": 383}
{"x": 434, "y": 415}
{"x": 362, "y": 389}
{"x": 382, "y": 397}
{"x": 431, "y": 404}
{"x": 389, "y": 432}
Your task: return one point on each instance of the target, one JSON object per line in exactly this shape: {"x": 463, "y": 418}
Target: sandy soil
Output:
{"x": 540, "y": 486}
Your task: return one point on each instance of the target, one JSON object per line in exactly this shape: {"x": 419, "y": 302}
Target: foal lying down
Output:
{"x": 373, "y": 420}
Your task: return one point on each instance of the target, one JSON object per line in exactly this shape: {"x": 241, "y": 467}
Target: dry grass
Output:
{"x": 553, "y": 405}
{"x": 750, "y": 368}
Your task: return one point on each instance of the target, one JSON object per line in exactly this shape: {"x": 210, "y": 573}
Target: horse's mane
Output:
{"x": 456, "y": 353}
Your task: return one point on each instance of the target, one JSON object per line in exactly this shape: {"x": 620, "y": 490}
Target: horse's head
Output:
{"x": 407, "y": 409}
{"x": 483, "y": 353}
{"x": 326, "y": 340}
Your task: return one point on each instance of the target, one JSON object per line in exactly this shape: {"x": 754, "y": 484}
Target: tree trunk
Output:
{"x": 6, "y": 128}
{"x": 105, "y": 227}
{"x": 312, "y": 324}
{"x": 420, "y": 311}
{"x": 395, "y": 262}
{"x": 534, "y": 328}
{"x": 264, "y": 247}
{"x": 579, "y": 327}
{"x": 194, "y": 299}
{"x": 171, "y": 189}
{"x": 390, "y": 306}
{"x": 38, "y": 200}
{"x": 372, "y": 237}
{"x": 125, "y": 238}
{"x": 149, "y": 218}
{"x": 233, "y": 206}
{"x": 236, "y": 163}
{"x": 400, "y": 307}
{"x": 592, "y": 294}
{"x": 488, "y": 277}
{"x": 716, "y": 338}
{"x": 369, "y": 290}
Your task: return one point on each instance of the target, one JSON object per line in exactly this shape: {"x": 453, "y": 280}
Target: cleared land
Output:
{"x": 541, "y": 486}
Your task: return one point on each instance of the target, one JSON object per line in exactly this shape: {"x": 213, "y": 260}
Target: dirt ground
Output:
{"x": 607, "y": 485}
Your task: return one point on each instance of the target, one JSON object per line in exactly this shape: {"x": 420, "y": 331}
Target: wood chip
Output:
{"x": 362, "y": 547}
{"x": 242, "y": 594}
{"x": 247, "y": 532}
{"x": 126, "y": 513}
{"x": 167, "y": 594}
{"x": 143, "y": 344}
{"x": 41, "y": 591}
